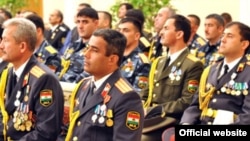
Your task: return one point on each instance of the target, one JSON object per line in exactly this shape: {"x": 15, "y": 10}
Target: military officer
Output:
{"x": 156, "y": 48}
{"x": 44, "y": 52}
{"x": 214, "y": 27}
{"x": 224, "y": 95}
{"x": 173, "y": 79}
{"x": 195, "y": 41}
{"x": 144, "y": 43}
{"x": 57, "y": 33}
{"x": 113, "y": 110}
{"x": 34, "y": 97}
{"x": 87, "y": 23}
{"x": 135, "y": 65}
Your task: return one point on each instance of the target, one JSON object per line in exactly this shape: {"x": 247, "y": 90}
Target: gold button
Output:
{"x": 78, "y": 123}
{"x": 75, "y": 138}
{"x": 209, "y": 123}
{"x": 154, "y": 95}
{"x": 214, "y": 100}
{"x": 157, "y": 84}
{"x": 210, "y": 112}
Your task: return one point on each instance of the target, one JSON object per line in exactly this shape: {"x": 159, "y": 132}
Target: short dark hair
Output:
{"x": 218, "y": 18}
{"x": 136, "y": 13}
{"x": 244, "y": 30}
{"x": 134, "y": 21}
{"x": 127, "y": 5}
{"x": 227, "y": 17}
{"x": 37, "y": 20}
{"x": 197, "y": 19}
{"x": 88, "y": 12}
{"x": 182, "y": 24}
{"x": 108, "y": 16}
{"x": 6, "y": 13}
{"x": 116, "y": 42}
{"x": 59, "y": 14}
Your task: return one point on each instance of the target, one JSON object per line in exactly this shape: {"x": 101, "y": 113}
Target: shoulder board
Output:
{"x": 144, "y": 58}
{"x": 192, "y": 57}
{"x": 146, "y": 30}
{"x": 62, "y": 28}
{"x": 201, "y": 41}
{"x": 145, "y": 42}
{"x": 51, "y": 50}
{"x": 37, "y": 71}
{"x": 123, "y": 86}
{"x": 9, "y": 65}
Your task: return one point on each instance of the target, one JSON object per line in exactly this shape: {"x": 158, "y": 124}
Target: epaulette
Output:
{"x": 192, "y": 57}
{"x": 146, "y": 30}
{"x": 248, "y": 59}
{"x": 37, "y": 71}
{"x": 51, "y": 50}
{"x": 144, "y": 58}
{"x": 201, "y": 41}
{"x": 62, "y": 28}
{"x": 123, "y": 86}
{"x": 145, "y": 42}
{"x": 9, "y": 65}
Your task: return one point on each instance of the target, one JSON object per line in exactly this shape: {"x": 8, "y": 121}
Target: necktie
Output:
{"x": 167, "y": 63}
{"x": 13, "y": 81}
{"x": 225, "y": 69}
{"x": 90, "y": 92}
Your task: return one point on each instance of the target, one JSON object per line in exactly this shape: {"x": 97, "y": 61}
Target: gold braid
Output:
{"x": 205, "y": 96}
{"x": 2, "y": 106}
{"x": 151, "y": 82}
{"x": 73, "y": 115}
{"x": 65, "y": 64}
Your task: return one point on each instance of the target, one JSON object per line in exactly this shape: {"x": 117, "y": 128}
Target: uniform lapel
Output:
{"x": 227, "y": 77}
{"x": 214, "y": 73}
{"x": 97, "y": 97}
{"x": 177, "y": 63}
{"x": 3, "y": 65}
{"x": 12, "y": 97}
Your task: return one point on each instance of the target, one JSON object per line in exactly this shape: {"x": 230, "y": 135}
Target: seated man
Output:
{"x": 223, "y": 97}
{"x": 173, "y": 80}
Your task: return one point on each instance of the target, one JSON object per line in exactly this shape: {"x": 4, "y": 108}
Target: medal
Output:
{"x": 17, "y": 103}
{"x": 28, "y": 124}
{"x": 109, "y": 122}
{"x": 231, "y": 82}
{"x": 14, "y": 120}
{"x": 228, "y": 91}
{"x": 93, "y": 118}
{"x": 16, "y": 126}
{"x": 15, "y": 114}
{"x": 178, "y": 78}
{"x": 103, "y": 107}
{"x": 233, "y": 92}
{"x": 223, "y": 89}
{"x": 237, "y": 92}
{"x": 25, "y": 117}
{"x": 101, "y": 120}
{"x": 22, "y": 127}
{"x": 245, "y": 92}
{"x": 26, "y": 98}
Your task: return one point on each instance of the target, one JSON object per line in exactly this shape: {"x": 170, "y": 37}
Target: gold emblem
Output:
{"x": 109, "y": 122}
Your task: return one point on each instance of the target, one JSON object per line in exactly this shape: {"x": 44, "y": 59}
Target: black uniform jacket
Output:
{"x": 40, "y": 97}
{"x": 235, "y": 99}
{"x": 124, "y": 108}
